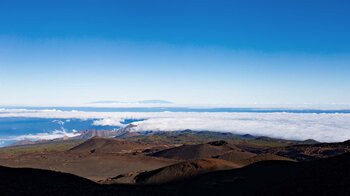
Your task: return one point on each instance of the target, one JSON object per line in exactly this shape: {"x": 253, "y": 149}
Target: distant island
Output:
{"x": 134, "y": 102}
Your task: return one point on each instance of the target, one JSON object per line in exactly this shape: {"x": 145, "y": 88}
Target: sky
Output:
{"x": 188, "y": 52}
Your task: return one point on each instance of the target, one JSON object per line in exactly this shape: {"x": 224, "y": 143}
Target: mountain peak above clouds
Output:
{"x": 155, "y": 101}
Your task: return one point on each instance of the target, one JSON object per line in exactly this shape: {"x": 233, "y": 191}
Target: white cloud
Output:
{"x": 301, "y": 126}
{"x": 46, "y": 136}
{"x": 108, "y": 122}
{"x": 322, "y": 127}
{"x": 56, "y": 134}
{"x": 58, "y": 122}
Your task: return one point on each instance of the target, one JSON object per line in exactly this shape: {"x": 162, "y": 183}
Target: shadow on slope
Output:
{"x": 329, "y": 176}
{"x": 175, "y": 172}
{"x": 310, "y": 152}
{"x": 198, "y": 151}
{"x": 108, "y": 145}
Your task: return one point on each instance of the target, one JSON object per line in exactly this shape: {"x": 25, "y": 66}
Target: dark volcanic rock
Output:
{"x": 329, "y": 176}
{"x": 188, "y": 152}
{"x": 218, "y": 143}
{"x": 310, "y": 152}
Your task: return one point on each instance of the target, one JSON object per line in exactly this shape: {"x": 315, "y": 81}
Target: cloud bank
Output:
{"x": 323, "y": 127}
{"x": 46, "y": 136}
{"x": 56, "y": 134}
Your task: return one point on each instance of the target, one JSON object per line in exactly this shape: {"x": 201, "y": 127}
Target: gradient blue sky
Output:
{"x": 190, "y": 52}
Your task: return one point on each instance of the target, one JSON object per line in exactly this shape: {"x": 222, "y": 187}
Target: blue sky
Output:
{"x": 189, "y": 52}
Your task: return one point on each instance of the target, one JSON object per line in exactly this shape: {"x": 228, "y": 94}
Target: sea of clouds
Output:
{"x": 45, "y": 136}
{"x": 331, "y": 127}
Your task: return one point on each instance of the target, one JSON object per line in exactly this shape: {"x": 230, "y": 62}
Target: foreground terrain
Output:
{"x": 178, "y": 163}
{"x": 329, "y": 176}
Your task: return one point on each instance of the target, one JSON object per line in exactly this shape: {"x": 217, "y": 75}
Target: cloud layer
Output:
{"x": 46, "y": 136}
{"x": 300, "y": 126}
